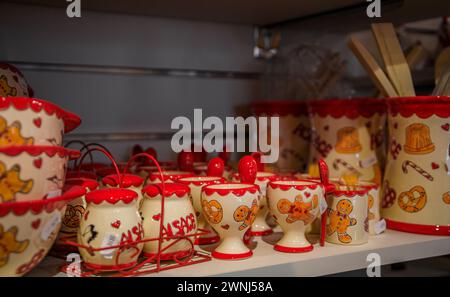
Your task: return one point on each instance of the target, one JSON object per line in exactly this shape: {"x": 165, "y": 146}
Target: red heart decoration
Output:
{"x": 35, "y": 224}
{"x": 37, "y": 162}
{"x": 37, "y": 122}
{"x": 116, "y": 224}
{"x": 157, "y": 217}
{"x": 434, "y": 165}
{"x": 326, "y": 128}
{"x": 446, "y": 127}
{"x": 307, "y": 194}
{"x": 226, "y": 227}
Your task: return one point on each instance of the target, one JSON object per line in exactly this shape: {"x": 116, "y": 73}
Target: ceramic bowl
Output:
{"x": 28, "y": 229}
{"x": 32, "y": 172}
{"x": 30, "y": 121}
{"x": 12, "y": 82}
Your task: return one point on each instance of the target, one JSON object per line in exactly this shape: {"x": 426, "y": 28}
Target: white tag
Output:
{"x": 323, "y": 205}
{"x": 380, "y": 226}
{"x": 52, "y": 194}
{"x": 109, "y": 240}
{"x": 368, "y": 162}
{"x": 51, "y": 225}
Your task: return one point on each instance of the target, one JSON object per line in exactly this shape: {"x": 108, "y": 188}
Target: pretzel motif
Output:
{"x": 413, "y": 200}
{"x": 73, "y": 215}
{"x": 417, "y": 168}
{"x": 246, "y": 215}
{"x": 213, "y": 211}
{"x": 389, "y": 196}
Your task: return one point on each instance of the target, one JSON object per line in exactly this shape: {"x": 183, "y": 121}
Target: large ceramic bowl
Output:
{"x": 12, "y": 82}
{"x": 28, "y": 229}
{"x": 27, "y": 121}
{"x": 32, "y": 172}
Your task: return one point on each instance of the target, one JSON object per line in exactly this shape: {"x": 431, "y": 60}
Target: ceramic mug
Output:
{"x": 29, "y": 121}
{"x": 33, "y": 172}
{"x": 196, "y": 183}
{"x": 111, "y": 218}
{"x": 416, "y": 192}
{"x": 347, "y": 219}
{"x": 231, "y": 209}
{"x": 178, "y": 220}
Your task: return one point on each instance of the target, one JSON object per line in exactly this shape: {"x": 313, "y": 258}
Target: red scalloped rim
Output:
{"x": 421, "y": 106}
{"x": 71, "y": 121}
{"x": 82, "y": 182}
{"x": 15, "y": 70}
{"x": 37, "y": 206}
{"x": 287, "y": 185}
{"x": 201, "y": 180}
{"x": 259, "y": 178}
{"x": 418, "y": 229}
{"x": 36, "y": 150}
{"x": 156, "y": 176}
{"x": 237, "y": 191}
{"x": 128, "y": 180}
{"x": 111, "y": 195}
{"x": 349, "y": 108}
{"x": 280, "y": 107}
{"x": 170, "y": 189}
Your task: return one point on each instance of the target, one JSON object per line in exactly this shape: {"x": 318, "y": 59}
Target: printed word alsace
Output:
{"x": 181, "y": 226}
{"x": 134, "y": 234}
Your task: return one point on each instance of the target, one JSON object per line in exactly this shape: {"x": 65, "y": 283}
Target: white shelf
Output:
{"x": 392, "y": 246}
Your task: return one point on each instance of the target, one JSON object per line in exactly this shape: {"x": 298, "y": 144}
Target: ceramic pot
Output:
{"x": 178, "y": 220}
{"x": 28, "y": 229}
{"x": 295, "y": 131}
{"x": 348, "y": 221}
{"x": 342, "y": 138}
{"x": 231, "y": 209}
{"x": 260, "y": 226}
{"x": 196, "y": 183}
{"x": 13, "y": 83}
{"x": 294, "y": 205}
{"x": 111, "y": 218}
{"x": 168, "y": 176}
{"x": 130, "y": 181}
{"x": 33, "y": 172}
{"x": 29, "y": 121}
{"x": 416, "y": 195}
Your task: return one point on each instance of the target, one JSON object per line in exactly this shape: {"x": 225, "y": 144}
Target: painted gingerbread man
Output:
{"x": 340, "y": 220}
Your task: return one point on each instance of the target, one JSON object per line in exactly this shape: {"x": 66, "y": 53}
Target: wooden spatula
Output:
{"x": 394, "y": 60}
{"x": 369, "y": 63}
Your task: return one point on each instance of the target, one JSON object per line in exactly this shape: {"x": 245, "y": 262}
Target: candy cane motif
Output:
{"x": 416, "y": 168}
{"x": 347, "y": 166}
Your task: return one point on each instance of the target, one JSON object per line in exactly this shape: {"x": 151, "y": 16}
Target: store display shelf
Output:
{"x": 392, "y": 246}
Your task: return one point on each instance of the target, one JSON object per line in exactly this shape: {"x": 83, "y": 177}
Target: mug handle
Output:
{"x": 329, "y": 188}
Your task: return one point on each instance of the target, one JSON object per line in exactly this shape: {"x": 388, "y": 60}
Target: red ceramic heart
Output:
{"x": 247, "y": 169}
{"x": 446, "y": 127}
{"x": 37, "y": 122}
{"x": 116, "y": 224}
{"x": 37, "y": 163}
{"x": 226, "y": 227}
{"x": 35, "y": 224}
{"x": 216, "y": 167}
{"x": 434, "y": 165}
{"x": 307, "y": 194}
{"x": 157, "y": 217}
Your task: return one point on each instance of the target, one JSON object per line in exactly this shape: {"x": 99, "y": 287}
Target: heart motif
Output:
{"x": 307, "y": 194}
{"x": 35, "y": 224}
{"x": 395, "y": 125}
{"x": 226, "y": 227}
{"x": 116, "y": 224}
{"x": 326, "y": 128}
{"x": 37, "y": 122}
{"x": 37, "y": 162}
{"x": 446, "y": 127}
{"x": 157, "y": 217}
{"x": 434, "y": 165}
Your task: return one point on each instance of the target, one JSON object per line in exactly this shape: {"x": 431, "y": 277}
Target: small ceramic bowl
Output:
{"x": 30, "y": 121}
{"x": 12, "y": 82}
{"x": 28, "y": 229}
{"x": 33, "y": 172}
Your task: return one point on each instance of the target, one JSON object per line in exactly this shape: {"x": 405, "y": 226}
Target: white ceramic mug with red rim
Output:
{"x": 30, "y": 121}
{"x": 111, "y": 219}
{"x": 28, "y": 230}
{"x": 178, "y": 221}
{"x": 196, "y": 183}
{"x": 169, "y": 176}
{"x": 348, "y": 221}
{"x": 231, "y": 209}
{"x": 259, "y": 226}
{"x": 129, "y": 181}
{"x": 33, "y": 172}
{"x": 294, "y": 205}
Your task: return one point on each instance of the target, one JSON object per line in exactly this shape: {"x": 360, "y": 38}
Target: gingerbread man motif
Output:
{"x": 246, "y": 215}
{"x": 11, "y": 184}
{"x": 10, "y": 135}
{"x": 5, "y": 89}
{"x": 9, "y": 244}
{"x": 299, "y": 210}
{"x": 340, "y": 220}
{"x": 213, "y": 211}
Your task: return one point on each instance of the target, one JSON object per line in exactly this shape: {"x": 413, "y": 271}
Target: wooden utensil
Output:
{"x": 394, "y": 60}
{"x": 415, "y": 55}
{"x": 377, "y": 75}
